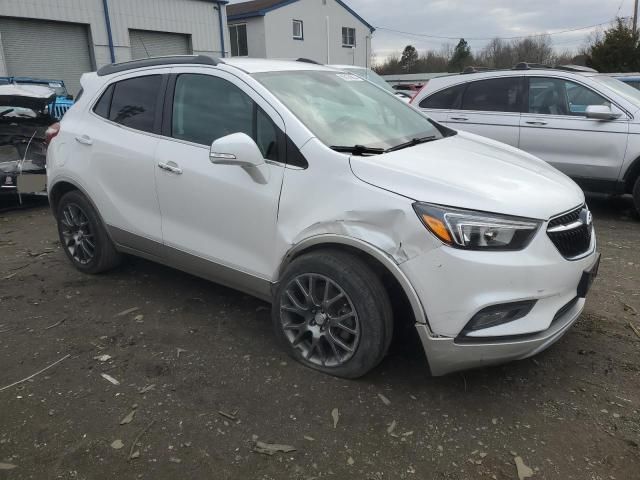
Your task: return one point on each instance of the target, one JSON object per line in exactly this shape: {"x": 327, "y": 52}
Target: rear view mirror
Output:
{"x": 236, "y": 149}
{"x": 601, "y": 112}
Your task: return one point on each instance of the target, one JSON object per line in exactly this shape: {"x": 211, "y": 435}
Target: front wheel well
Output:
{"x": 632, "y": 174}
{"x": 403, "y": 316}
{"x": 57, "y": 192}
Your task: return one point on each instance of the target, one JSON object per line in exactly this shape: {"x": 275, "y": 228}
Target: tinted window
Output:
{"x": 134, "y": 102}
{"x": 495, "y": 95}
{"x": 553, "y": 96}
{"x": 104, "y": 104}
{"x": 206, "y": 108}
{"x": 444, "y": 99}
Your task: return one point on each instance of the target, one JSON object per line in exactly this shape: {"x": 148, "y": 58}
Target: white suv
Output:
{"x": 585, "y": 124}
{"x": 319, "y": 192}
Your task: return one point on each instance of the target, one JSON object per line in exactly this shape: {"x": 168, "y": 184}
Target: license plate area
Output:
{"x": 588, "y": 276}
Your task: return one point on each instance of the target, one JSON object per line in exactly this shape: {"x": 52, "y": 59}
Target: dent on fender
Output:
{"x": 382, "y": 229}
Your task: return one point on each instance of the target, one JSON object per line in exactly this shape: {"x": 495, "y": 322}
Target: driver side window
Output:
{"x": 554, "y": 96}
{"x": 206, "y": 108}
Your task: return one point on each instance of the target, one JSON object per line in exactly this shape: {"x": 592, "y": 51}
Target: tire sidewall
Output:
{"x": 371, "y": 314}
{"x": 77, "y": 199}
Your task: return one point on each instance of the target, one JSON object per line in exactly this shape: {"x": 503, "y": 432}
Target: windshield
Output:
{"x": 621, "y": 88}
{"x": 342, "y": 109}
{"x": 370, "y": 75}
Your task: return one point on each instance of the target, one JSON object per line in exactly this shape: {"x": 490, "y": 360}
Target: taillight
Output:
{"x": 51, "y": 132}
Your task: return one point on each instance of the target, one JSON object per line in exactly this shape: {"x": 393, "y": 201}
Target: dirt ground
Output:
{"x": 198, "y": 365}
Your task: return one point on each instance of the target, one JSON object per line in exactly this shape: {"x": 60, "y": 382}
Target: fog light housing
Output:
{"x": 498, "y": 314}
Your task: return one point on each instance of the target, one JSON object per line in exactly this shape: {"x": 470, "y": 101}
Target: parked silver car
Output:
{"x": 583, "y": 123}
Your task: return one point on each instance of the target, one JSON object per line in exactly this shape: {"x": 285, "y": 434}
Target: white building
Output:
{"x": 327, "y": 31}
{"x": 61, "y": 39}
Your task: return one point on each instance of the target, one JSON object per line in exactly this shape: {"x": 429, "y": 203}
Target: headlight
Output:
{"x": 477, "y": 230}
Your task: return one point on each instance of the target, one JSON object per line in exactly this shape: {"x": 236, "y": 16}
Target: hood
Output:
{"x": 468, "y": 171}
{"x": 35, "y": 97}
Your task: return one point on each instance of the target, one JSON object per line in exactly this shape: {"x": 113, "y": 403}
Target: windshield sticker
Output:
{"x": 349, "y": 77}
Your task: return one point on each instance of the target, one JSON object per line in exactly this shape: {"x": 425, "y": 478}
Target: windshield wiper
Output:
{"x": 358, "y": 150}
{"x": 411, "y": 143}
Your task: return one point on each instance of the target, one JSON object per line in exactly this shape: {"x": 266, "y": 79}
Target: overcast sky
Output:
{"x": 481, "y": 19}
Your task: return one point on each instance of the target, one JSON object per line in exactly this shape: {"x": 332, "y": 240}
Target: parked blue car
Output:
{"x": 63, "y": 100}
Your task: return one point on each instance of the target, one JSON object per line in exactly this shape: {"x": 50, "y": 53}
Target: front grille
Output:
{"x": 571, "y": 232}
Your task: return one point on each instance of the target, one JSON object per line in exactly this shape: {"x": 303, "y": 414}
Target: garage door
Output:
{"x": 145, "y": 43}
{"x": 41, "y": 49}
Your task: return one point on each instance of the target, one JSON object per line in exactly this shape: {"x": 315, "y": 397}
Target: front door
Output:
{"x": 491, "y": 108}
{"x": 556, "y": 129}
{"x": 218, "y": 217}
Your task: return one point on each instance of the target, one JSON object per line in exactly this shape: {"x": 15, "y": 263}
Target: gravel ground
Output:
{"x": 200, "y": 370}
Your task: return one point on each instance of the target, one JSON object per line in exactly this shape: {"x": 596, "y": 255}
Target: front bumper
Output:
{"x": 446, "y": 355}
{"x": 453, "y": 285}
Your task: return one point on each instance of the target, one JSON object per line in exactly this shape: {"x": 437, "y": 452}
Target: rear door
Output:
{"x": 556, "y": 129}
{"x": 118, "y": 137}
{"x": 491, "y": 108}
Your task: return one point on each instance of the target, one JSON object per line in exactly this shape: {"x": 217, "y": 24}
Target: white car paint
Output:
{"x": 219, "y": 214}
{"x": 601, "y": 155}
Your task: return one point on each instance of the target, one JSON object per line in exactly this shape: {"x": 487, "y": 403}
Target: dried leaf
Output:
{"x": 102, "y": 358}
{"x": 128, "y": 418}
{"x": 117, "y": 444}
{"x": 384, "y": 399}
{"x": 523, "y": 470}
{"x": 7, "y": 466}
{"x": 146, "y": 389}
{"x": 335, "y": 414}
{"x": 127, "y": 312}
{"x": 272, "y": 448}
{"x": 109, "y": 378}
{"x": 392, "y": 427}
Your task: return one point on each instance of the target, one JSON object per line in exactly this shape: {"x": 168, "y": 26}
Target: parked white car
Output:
{"x": 319, "y": 192}
{"x": 585, "y": 124}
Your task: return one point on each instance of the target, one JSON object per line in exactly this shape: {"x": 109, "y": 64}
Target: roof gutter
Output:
{"x": 109, "y": 35}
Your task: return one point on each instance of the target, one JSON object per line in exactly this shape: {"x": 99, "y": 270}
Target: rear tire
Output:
{"x": 636, "y": 195}
{"x": 332, "y": 313}
{"x": 83, "y": 236}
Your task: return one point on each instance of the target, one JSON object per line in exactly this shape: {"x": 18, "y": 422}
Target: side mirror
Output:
{"x": 236, "y": 149}
{"x": 601, "y": 112}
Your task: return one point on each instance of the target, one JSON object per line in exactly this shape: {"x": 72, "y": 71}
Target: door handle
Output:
{"x": 535, "y": 122}
{"x": 463, "y": 119}
{"x": 84, "y": 140}
{"x": 170, "y": 167}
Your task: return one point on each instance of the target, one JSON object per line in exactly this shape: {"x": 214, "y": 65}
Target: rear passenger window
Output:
{"x": 494, "y": 95}
{"x": 104, "y": 104}
{"x": 131, "y": 102}
{"x": 445, "y": 99}
{"x": 206, "y": 108}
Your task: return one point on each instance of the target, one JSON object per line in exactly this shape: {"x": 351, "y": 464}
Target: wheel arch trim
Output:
{"x": 329, "y": 240}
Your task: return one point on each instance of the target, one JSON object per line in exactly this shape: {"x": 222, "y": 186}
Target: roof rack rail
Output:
{"x": 576, "y": 68}
{"x": 307, "y": 60}
{"x": 530, "y": 66}
{"x": 156, "y": 61}
{"x": 468, "y": 70}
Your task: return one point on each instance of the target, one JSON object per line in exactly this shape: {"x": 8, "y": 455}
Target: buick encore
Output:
{"x": 311, "y": 188}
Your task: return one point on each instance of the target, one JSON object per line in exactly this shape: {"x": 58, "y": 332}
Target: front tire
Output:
{"x": 332, "y": 313}
{"x": 83, "y": 236}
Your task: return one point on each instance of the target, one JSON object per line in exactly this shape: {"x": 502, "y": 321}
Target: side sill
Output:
{"x": 139, "y": 246}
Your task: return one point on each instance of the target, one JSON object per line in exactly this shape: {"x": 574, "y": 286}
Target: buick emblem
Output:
{"x": 586, "y": 217}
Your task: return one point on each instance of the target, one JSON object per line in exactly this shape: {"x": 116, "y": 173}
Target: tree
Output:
{"x": 615, "y": 51}
{"x": 409, "y": 58}
{"x": 461, "y": 57}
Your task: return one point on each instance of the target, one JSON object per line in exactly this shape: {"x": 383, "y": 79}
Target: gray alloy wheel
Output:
{"x": 76, "y": 232}
{"x": 319, "y": 320}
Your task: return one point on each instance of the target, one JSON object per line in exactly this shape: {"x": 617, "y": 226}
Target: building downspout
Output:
{"x": 219, "y": 8}
{"x": 109, "y": 35}
{"x": 328, "y": 43}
